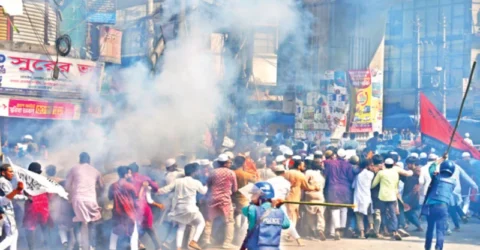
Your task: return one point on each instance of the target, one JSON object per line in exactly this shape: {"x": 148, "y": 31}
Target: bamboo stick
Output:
{"x": 320, "y": 204}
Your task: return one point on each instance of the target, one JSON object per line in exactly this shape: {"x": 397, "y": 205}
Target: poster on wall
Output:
{"x": 32, "y": 75}
{"x": 110, "y": 43}
{"x": 39, "y": 109}
{"x": 319, "y": 112}
{"x": 362, "y": 121}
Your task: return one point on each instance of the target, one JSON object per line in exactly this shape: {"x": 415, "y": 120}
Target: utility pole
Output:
{"x": 151, "y": 35}
{"x": 419, "y": 71}
{"x": 444, "y": 103}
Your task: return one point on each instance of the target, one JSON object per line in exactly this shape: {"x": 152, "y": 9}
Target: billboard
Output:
{"x": 361, "y": 81}
{"x": 102, "y": 11}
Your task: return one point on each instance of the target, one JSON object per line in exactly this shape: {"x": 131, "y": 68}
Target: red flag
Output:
{"x": 436, "y": 131}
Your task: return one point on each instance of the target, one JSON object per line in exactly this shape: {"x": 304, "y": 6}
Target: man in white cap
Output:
{"x": 318, "y": 154}
{"x": 222, "y": 183}
{"x": 281, "y": 160}
{"x": 425, "y": 179}
{"x": 468, "y": 140}
{"x": 388, "y": 180}
{"x": 414, "y": 155}
{"x": 282, "y": 188}
{"x": 289, "y": 157}
{"x": 423, "y": 159}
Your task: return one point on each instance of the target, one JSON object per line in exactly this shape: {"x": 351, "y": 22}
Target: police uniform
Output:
{"x": 265, "y": 224}
{"x": 438, "y": 200}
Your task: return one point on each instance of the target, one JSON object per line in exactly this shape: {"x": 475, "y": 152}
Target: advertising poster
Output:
{"x": 110, "y": 45}
{"x": 377, "y": 100}
{"x": 362, "y": 82}
{"x": 36, "y": 109}
{"x": 320, "y": 112}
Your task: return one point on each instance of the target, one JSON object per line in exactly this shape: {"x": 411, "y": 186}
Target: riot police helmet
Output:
{"x": 264, "y": 189}
{"x": 447, "y": 167}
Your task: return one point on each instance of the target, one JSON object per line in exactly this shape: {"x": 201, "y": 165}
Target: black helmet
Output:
{"x": 447, "y": 167}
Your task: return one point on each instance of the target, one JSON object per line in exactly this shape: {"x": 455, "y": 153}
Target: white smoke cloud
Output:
{"x": 170, "y": 112}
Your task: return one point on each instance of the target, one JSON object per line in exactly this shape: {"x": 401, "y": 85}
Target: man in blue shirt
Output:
{"x": 265, "y": 221}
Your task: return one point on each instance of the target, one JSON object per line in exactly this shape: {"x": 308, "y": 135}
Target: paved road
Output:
{"x": 467, "y": 239}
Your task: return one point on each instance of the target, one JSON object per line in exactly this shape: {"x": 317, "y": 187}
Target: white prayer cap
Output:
{"x": 297, "y": 158}
{"x": 318, "y": 153}
{"x": 432, "y": 157}
{"x": 223, "y": 158}
{"x": 414, "y": 155}
{"x": 170, "y": 162}
{"x": 341, "y": 153}
{"x": 423, "y": 155}
{"x": 393, "y": 153}
{"x": 28, "y": 137}
{"x": 389, "y": 161}
{"x": 280, "y": 159}
{"x": 288, "y": 152}
{"x": 466, "y": 154}
{"x": 467, "y": 135}
{"x": 309, "y": 158}
{"x": 204, "y": 162}
{"x": 432, "y": 150}
{"x": 279, "y": 168}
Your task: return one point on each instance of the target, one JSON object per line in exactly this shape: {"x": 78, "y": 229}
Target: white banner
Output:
{"x": 35, "y": 184}
{"x": 34, "y": 72}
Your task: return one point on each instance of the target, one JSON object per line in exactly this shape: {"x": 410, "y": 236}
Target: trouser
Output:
{"x": 389, "y": 216}
{"x": 377, "y": 220}
{"x": 292, "y": 230}
{"x": 229, "y": 232}
{"x": 152, "y": 234}
{"x": 31, "y": 240}
{"x": 66, "y": 233}
{"x": 241, "y": 222}
{"x": 452, "y": 211}
{"x": 316, "y": 221}
{"x": 10, "y": 241}
{"x": 198, "y": 223}
{"x": 127, "y": 243}
{"x": 339, "y": 218}
{"x": 437, "y": 219}
{"x": 412, "y": 216}
{"x": 466, "y": 203}
{"x": 360, "y": 217}
{"x": 88, "y": 234}
{"x": 351, "y": 219}
{"x": 401, "y": 216}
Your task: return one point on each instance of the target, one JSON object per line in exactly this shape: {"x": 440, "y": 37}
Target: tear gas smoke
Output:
{"x": 170, "y": 112}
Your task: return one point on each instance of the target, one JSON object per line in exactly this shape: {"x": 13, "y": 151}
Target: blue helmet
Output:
{"x": 447, "y": 167}
{"x": 265, "y": 189}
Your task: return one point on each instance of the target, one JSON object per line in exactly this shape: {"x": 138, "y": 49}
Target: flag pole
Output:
{"x": 461, "y": 108}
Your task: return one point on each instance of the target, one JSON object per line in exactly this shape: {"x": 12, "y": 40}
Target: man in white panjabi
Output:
{"x": 184, "y": 210}
{"x": 282, "y": 187}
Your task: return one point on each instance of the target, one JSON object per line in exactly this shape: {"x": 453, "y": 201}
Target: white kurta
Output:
{"x": 281, "y": 187}
{"x": 362, "y": 197}
{"x": 184, "y": 208}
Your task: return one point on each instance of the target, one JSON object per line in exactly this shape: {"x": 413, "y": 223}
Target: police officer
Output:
{"x": 438, "y": 198}
{"x": 265, "y": 220}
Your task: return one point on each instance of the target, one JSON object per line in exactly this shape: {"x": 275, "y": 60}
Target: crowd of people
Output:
{"x": 199, "y": 203}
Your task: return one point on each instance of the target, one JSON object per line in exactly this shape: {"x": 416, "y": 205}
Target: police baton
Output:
{"x": 320, "y": 204}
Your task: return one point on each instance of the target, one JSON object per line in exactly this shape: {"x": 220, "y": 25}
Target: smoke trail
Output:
{"x": 169, "y": 113}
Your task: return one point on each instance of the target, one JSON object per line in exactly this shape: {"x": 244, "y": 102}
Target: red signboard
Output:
{"x": 42, "y": 109}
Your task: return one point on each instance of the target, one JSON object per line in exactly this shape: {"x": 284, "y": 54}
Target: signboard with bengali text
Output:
{"x": 36, "y": 109}
{"x": 32, "y": 75}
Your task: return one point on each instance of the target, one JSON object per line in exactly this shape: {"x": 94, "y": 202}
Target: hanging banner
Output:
{"x": 436, "y": 132}
{"x": 35, "y": 109}
{"x": 377, "y": 100}
{"x": 110, "y": 43}
{"x": 32, "y": 74}
{"x": 361, "y": 80}
{"x": 102, "y": 11}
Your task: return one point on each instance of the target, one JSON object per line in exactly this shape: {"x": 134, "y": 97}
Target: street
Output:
{"x": 468, "y": 238}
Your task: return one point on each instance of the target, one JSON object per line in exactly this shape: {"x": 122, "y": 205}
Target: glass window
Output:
{"x": 265, "y": 42}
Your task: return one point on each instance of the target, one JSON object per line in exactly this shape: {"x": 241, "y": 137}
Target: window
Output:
{"x": 265, "y": 42}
